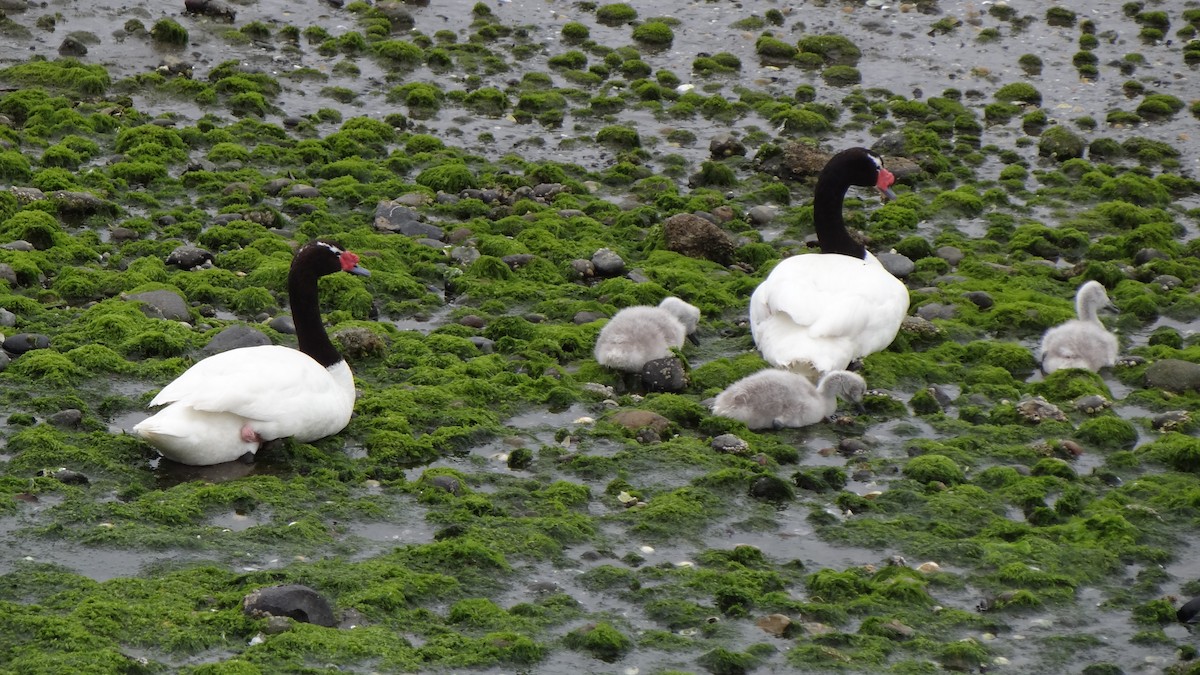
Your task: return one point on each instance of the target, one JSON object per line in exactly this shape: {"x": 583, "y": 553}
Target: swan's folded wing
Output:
{"x": 255, "y": 382}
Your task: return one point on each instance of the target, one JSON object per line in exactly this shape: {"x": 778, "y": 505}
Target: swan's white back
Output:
{"x": 277, "y": 391}
{"x": 1083, "y": 342}
{"x": 815, "y": 313}
{"x": 774, "y": 398}
{"x": 641, "y": 333}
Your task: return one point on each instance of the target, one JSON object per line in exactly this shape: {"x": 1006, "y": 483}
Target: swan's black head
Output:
{"x": 325, "y": 257}
{"x": 859, "y": 166}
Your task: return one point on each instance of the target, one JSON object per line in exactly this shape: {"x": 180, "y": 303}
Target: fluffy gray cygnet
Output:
{"x": 773, "y": 398}
{"x": 1083, "y": 342}
{"x": 641, "y": 333}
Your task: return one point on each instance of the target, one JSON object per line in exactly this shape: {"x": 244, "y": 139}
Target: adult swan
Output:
{"x": 816, "y": 313}
{"x": 230, "y": 403}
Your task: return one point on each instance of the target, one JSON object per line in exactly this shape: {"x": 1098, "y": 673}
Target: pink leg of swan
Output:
{"x": 249, "y": 435}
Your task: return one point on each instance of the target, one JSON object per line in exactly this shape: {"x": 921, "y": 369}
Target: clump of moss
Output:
{"x": 655, "y": 34}
{"x": 619, "y": 137}
{"x": 616, "y": 14}
{"x": 169, "y": 32}
{"x": 933, "y": 468}
{"x": 601, "y": 640}
{"x": 833, "y": 50}
{"x": 451, "y": 178}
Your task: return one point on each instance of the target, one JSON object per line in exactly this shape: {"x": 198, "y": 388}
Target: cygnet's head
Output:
{"x": 845, "y": 385}
{"x": 688, "y": 315}
{"x": 1091, "y": 298}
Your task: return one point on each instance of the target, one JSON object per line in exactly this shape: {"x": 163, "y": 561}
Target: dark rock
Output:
{"x": 518, "y": 260}
{"x": 586, "y": 316}
{"x": 951, "y": 254}
{"x": 1060, "y": 143}
{"x": 72, "y": 47}
{"x": 25, "y": 342}
{"x": 81, "y": 203}
{"x": 291, "y": 600}
{"x": 213, "y": 8}
{"x": 5, "y": 359}
{"x": 163, "y": 305}
{"x": 761, "y": 215}
{"x": 431, "y": 243}
{"x": 26, "y": 195}
{"x": 665, "y": 374}
{"x": 981, "y": 299}
{"x": 1167, "y": 374}
{"x": 851, "y": 447}
{"x": 472, "y": 321}
{"x": 446, "y": 483}
{"x": 65, "y": 476}
{"x": 1145, "y": 255}
{"x": 465, "y": 255}
{"x": 1171, "y": 420}
{"x": 276, "y": 185}
{"x": 607, "y": 263}
{"x": 189, "y": 257}
{"x": 303, "y": 191}
{"x": 637, "y": 419}
{"x": 937, "y": 310}
{"x": 582, "y": 269}
{"x": 119, "y": 233}
{"x": 637, "y": 276}
{"x": 66, "y": 419}
{"x": 283, "y": 324}
{"x": 1092, "y": 403}
{"x": 8, "y": 274}
{"x": 772, "y": 489}
{"x": 725, "y": 145}
{"x": 235, "y": 337}
{"x": 899, "y": 266}
{"x": 794, "y": 161}
{"x": 708, "y": 216}
{"x": 548, "y": 191}
{"x": 391, "y": 216}
{"x": 484, "y": 345}
{"x": 730, "y": 445}
{"x": 696, "y": 237}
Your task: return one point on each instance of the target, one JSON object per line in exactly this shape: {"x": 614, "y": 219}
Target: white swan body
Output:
{"x": 773, "y": 398}
{"x": 816, "y": 313}
{"x": 642, "y": 333}
{"x": 228, "y": 404}
{"x": 1083, "y": 342}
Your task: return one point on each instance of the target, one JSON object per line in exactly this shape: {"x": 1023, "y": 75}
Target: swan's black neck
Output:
{"x": 832, "y": 235}
{"x": 306, "y": 314}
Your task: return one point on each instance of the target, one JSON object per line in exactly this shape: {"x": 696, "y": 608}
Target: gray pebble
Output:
{"x": 607, "y": 263}
{"x": 730, "y": 444}
{"x": 163, "y": 305}
{"x": 898, "y": 265}
{"x": 665, "y": 374}
{"x": 291, "y": 600}
{"x": 283, "y": 324}
{"x": 235, "y": 337}
{"x": 25, "y": 342}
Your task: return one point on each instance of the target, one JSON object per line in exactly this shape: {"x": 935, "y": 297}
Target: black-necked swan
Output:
{"x": 228, "y": 404}
{"x": 642, "y": 333}
{"x": 815, "y": 313}
{"x": 774, "y": 398}
{"x": 1083, "y": 342}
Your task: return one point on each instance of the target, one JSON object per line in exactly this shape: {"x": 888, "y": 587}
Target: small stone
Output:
{"x": 585, "y": 316}
{"x": 235, "y": 337}
{"x": 937, "y": 310}
{"x": 730, "y": 445}
{"x": 283, "y": 324}
{"x": 774, "y": 624}
{"x": 302, "y": 191}
{"x": 447, "y": 483}
{"x": 1038, "y": 409}
{"x": 981, "y": 299}
{"x": 69, "y": 418}
{"x": 167, "y": 305}
{"x": 1092, "y": 403}
{"x": 1167, "y": 374}
{"x": 465, "y": 255}
{"x": 189, "y": 257}
{"x": 724, "y": 145}
{"x": 25, "y": 342}
{"x": 772, "y": 489}
{"x": 582, "y": 269}
{"x": 484, "y": 345}
{"x": 516, "y": 261}
{"x": 761, "y": 214}
{"x": 664, "y": 374}
{"x": 898, "y": 265}
{"x": 1171, "y": 420}
{"x": 850, "y": 447}
{"x": 638, "y": 419}
{"x": 72, "y": 47}
{"x": 607, "y": 263}
{"x": 65, "y": 476}
{"x": 951, "y": 254}
{"x": 295, "y": 601}
{"x": 7, "y": 318}
{"x": 696, "y": 237}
